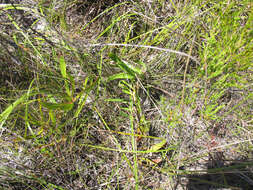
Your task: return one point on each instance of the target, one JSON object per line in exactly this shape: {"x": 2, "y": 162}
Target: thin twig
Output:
{"x": 220, "y": 147}
{"x": 145, "y": 46}
{"x": 185, "y": 71}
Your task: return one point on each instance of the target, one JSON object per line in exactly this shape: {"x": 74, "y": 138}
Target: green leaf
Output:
{"x": 63, "y": 67}
{"x": 158, "y": 146}
{"x": 126, "y": 67}
{"x": 126, "y": 87}
{"x": 52, "y": 117}
{"x": 72, "y": 81}
{"x": 215, "y": 74}
{"x": 83, "y": 96}
{"x": 5, "y": 114}
{"x": 114, "y": 22}
{"x": 116, "y": 100}
{"x": 73, "y": 132}
{"x": 120, "y": 76}
{"x": 63, "y": 22}
{"x": 64, "y": 73}
{"x": 61, "y": 106}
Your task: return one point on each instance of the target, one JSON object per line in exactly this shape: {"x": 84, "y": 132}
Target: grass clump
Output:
{"x": 126, "y": 94}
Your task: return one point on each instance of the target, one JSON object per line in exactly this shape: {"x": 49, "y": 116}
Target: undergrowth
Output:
{"x": 126, "y": 94}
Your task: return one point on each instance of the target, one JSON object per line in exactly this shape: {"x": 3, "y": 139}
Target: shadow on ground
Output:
{"x": 221, "y": 175}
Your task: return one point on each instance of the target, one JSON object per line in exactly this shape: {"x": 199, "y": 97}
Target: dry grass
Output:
{"x": 125, "y": 94}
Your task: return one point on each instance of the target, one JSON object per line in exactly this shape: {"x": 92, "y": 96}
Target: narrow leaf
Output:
{"x": 64, "y": 74}
{"x": 5, "y": 114}
{"x": 116, "y": 100}
{"x": 120, "y": 76}
{"x": 124, "y": 66}
{"x": 158, "y": 146}
{"x": 63, "y": 67}
{"x": 61, "y": 106}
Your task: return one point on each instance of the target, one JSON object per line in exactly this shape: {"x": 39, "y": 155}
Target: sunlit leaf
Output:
{"x": 64, "y": 73}
{"x": 120, "y": 76}
{"x": 116, "y": 100}
{"x": 158, "y": 146}
{"x": 63, "y": 67}
{"x": 126, "y": 67}
{"x": 61, "y": 106}
{"x": 5, "y": 114}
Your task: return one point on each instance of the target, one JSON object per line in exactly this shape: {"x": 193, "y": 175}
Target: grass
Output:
{"x": 126, "y": 94}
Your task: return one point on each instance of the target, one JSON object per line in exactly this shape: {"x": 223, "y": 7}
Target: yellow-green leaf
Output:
{"x": 120, "y": 76}
{"x": 158, "y": 146}
{"x": 63, "y": 67}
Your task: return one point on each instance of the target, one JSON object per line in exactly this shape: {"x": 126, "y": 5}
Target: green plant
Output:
{"x": 124, "y": 95}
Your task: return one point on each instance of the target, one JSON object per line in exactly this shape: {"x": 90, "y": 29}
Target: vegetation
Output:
{"x": 126, "y": 94}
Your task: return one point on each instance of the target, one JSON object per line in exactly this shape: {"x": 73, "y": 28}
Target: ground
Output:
{"x": 126, "y": 94}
